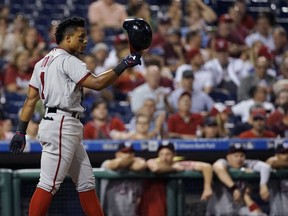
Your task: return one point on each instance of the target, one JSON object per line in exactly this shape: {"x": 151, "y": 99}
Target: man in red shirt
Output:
{"x": 183, "y": 124}
{"x": 102, "y": 125}
{"x": 258, "y": 126}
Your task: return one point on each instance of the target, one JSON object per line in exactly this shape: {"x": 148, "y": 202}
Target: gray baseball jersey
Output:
{"x": 221, "y": 203}
{"x": 57, "y": 77}
{"x": 120, "y": 197}
{"x": 278, "y": 199}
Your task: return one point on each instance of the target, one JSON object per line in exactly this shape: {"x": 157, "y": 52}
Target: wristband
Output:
{"x": 22, "y": 126}
{"x": 233, "y": 188}
{"x": 119, "y": 69}
{"x": 253, "y": 207}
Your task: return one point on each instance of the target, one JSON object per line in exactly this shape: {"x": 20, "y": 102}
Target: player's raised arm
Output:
{"x": 140, "y": 37}
{"x": 105, "y": 79}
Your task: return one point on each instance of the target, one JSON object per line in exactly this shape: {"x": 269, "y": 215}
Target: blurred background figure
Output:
{"x": 258, "y": 129}
{"x": 154, "y": 197}
{"x": 101, "y": 125}
{"x": 122, "y": 197}
{"x": 228, "y": 194}
{"x": 210, "y": 129}
{"x": 184, "y": 124}
{"x": 278, "y": 190}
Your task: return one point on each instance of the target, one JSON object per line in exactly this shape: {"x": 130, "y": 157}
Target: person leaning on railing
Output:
{"x": 228, "y": 195}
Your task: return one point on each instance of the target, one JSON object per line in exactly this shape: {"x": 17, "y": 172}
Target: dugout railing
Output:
{"x": 66, "y": 200}
{"x": 6, "y": 192}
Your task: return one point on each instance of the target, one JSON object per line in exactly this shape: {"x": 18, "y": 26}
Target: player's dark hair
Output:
{"x": 68, "y": 26}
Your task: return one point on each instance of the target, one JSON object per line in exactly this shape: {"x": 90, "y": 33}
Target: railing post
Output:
{"x": 180, "y": 198}
{"x": 6, "y": 191}
{"x": 171, "y": 189}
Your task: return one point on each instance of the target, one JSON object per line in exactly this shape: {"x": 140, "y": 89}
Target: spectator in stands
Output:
{"x": 228, "y": 194}
{"x": 264, "y": 24}
{"x": 210, "y": 130}
{"x": 199, "y": 15}
{"x": 173, "y": 50}
{"x": 101, "y": 124}
{"x": 141, "y": 10}
{"x": 96, "y": 35}
{"x": 150, "y": 87}
{"x": 51, "y": 40}
{"x": 201, "y": 102}
{"x": 18, "y": 73}
{"x": 122, "y": 197}
{"x": 6, "y": 129}
{"x": 246, "y": 19}
{"x": 149, "y": 109}
{"x": 15, "y": 35}
{"x": 159, "y": 37}
{"x": 258, "y": 126}
{"x": 175, "y": 10}
{"x": 3, "y": 38}
{"x": 224, "y": 118}
{"x": 100, "y": 51}
{"x": 281, "y": 45}
{"x": 239, "y": 31}
{"x": 278, "y": 188}
{"x": 247, "y": 125}
{"x": 34, "y": 43}
{"x": 203, "y": 78}
{"x": 226, "y": 71}
{"x": 226, "y": 32}
{"x": 278, "y": 120}
{"x": 258, "y": 95}
{"x": 184, "y": 124}
{"x": 154, "y": 196}
{"x": 109, "y": 14}
{"x": 33, "y": 126}
{"x": 260, "y": 76}
{"x": 193, "y": 41}
{"x": 283, "y": 69}
{"x": 128, "y": 81}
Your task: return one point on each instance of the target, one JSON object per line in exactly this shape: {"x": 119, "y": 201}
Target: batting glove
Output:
{"x": 132, "y": 60}
{"x": 129, "y": 61}
{"x": 17, "y": 143}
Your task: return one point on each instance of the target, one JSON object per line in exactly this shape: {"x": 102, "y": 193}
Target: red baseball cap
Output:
{"x": 263, "y": 51}
{"x": 259, "y": 113}
{"x": 221, "y": 45}
{"x": 192, "y": 53}
{"x": 225, "y": 18}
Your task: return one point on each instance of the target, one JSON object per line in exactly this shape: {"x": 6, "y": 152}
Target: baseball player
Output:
{"x": 57, "y": 80}
{"x": 227, "y": 199}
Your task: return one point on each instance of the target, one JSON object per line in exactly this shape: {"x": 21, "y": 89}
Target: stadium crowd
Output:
{"x": 213, "y": 75}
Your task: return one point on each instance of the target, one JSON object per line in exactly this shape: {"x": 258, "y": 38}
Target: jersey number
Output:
{"x": 42, "y": 83}
{"x": 44, "y": 63}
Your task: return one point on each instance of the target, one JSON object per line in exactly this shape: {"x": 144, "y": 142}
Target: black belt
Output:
{"x": 55, "y": 109}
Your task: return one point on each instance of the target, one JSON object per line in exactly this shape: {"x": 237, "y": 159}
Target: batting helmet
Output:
{"x": 139, "y": 33}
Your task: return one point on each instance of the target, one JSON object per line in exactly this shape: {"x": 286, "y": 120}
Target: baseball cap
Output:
{"x": 100, "y": 46}
{"x": 125, "y": 148}
{"x": 164, "y": 20}
{"x": 210, "y": 121}
{"x": 236, "y": 147}
{"x": 282, "y": 148}
{"x": 263, "y": 51}
{"x": 219, "y": 108}
{"x": 166, "y": 145}
{"x": 221, "y": 45}
{"x": 258, "y": 113}
{"x": 225, "y": 18}
{"x": 188, "y": 74}
{"x": 192, "y": 53}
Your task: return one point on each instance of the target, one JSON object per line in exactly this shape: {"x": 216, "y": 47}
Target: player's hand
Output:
{"x": 132, "y": 60}
{"x": 264, "y": 192}
{"x": 237, "y": 195}
{"x": 17, "y": 143}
